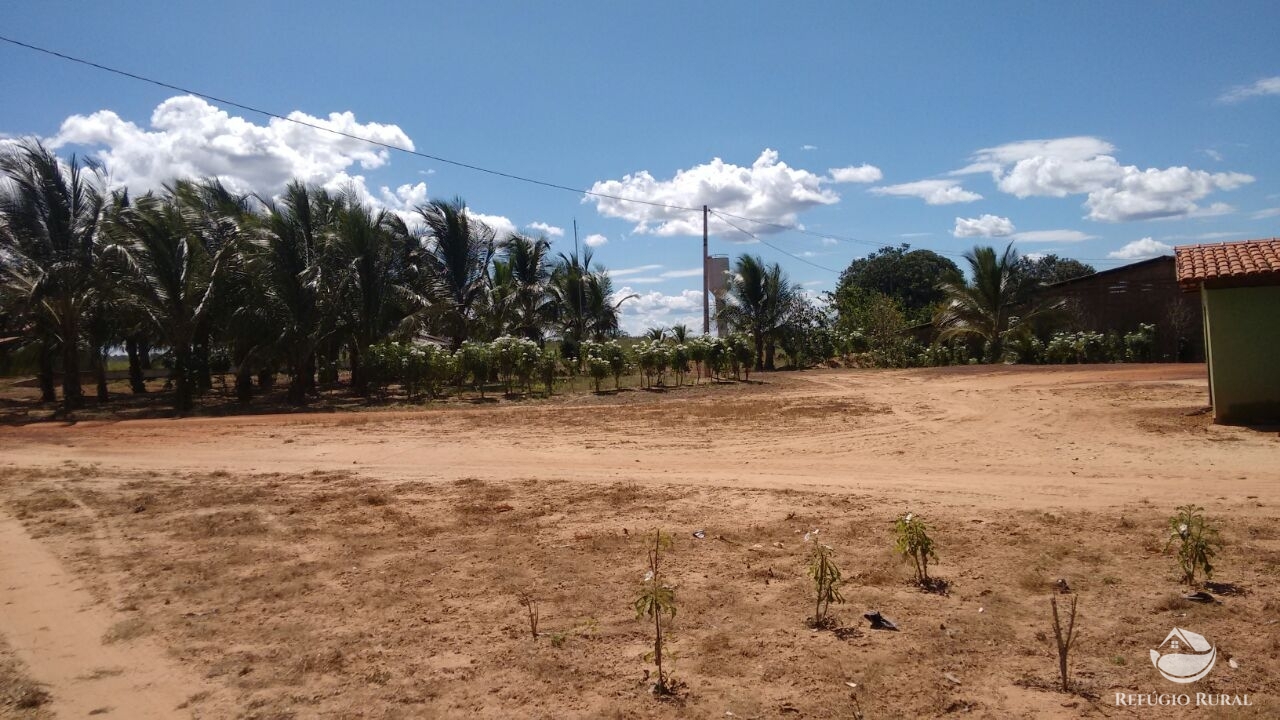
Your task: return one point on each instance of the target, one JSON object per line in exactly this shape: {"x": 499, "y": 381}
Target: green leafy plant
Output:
{"x": 913, "y": 542}
{"x": 826, "y": 580}
{"x": 654, "y": 601}
{"x": 1139, "y": 345}
{"x": 547, "y": 365}
{"x": 1197, "y": 541}
{"x": 680, "y": 362}
{"x": 475, "y": 359}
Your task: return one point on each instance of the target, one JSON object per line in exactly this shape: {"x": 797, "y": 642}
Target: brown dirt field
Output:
{"x": 370, "y": 564}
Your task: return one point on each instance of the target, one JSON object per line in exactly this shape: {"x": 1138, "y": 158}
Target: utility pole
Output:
{"x": 581, "y": 289}
{"x": 706, "y": 279}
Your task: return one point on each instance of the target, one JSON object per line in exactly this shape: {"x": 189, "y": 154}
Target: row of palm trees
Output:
{"x": 291, "y": 284}
{"x": 297, "y": 283}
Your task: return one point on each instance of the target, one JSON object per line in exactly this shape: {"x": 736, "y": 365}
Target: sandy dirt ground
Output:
{"x": 370, "y": 564}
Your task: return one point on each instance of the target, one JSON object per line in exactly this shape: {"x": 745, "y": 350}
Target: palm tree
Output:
{"x": 604, "y": 310}
{"x": 529, "y": 278}
{"x": 51, "y": 213}
{"x": 584, "y": 303}
{"x": 983, "y": 306}
{"x": 680, "y": 334}
{"x": 216, "y": 216}
{"x": 22, "y": 315}
{"x": 759, "y": 300}
{"x": 170, "y": 274}
{"x": 283, "y": 309}
{"x": 456, "y": 264}
{"x": 369, "y": 247}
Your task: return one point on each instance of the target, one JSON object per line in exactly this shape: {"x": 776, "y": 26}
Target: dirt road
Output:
{"x": 1010, "y": 437}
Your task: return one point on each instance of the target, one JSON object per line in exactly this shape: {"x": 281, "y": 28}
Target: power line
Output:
{"x": 771, "y": 245}
{"x": 388, "y": 146}
{"x": 428, "y": 156}
{"x": 477, "y": 168}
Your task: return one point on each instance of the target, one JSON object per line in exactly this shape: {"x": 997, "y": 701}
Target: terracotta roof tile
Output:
{"x": 1245, "y": 261}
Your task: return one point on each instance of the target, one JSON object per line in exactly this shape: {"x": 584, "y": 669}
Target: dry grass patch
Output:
{"x": 21, "y": 697}
{"x": 337, "y": 595}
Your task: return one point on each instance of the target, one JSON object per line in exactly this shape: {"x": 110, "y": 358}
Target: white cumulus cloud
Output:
{"x": 856, "y": 174}
{"x": 1114, "y": 193}
{"x": 933, "y": 192}
{"x": 545, "y": 229}
{"x": 656, "y": 309}
{"x": 595, "y": 240}
{"x": 1265, "y": 86}
{"x": 1152, "y": 193}
{"x": 1140, "y": 250}
{"x": 502, "y": 225}
{"x": 768, "y": 190}
{"x": 986, "y": 226}
{"x": 189, "y": 137}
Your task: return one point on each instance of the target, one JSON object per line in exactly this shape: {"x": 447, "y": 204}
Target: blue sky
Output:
{"x": 1102, "y": 131}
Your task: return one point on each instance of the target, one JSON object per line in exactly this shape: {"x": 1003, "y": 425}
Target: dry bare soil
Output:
{"x": 369, "y": 565}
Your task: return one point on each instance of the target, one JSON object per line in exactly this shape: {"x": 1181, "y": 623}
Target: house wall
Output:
{"x": 1145, "y": 292}
{"x": 1242, "y": 327}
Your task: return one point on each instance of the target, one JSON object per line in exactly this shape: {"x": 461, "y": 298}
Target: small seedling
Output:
{"x": 1064, "y": 639}
{"x": 1197, "y": 542}
{"x": 654, "y": 601}
{"x": 913, "y": 542}
{"x": 826, "y": 580}
{"x": 530, "y": 604}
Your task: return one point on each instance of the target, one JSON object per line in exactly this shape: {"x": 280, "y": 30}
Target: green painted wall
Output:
{"x": 1242, "y": 334}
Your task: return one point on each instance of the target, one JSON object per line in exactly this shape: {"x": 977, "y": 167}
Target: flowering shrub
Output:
{"x": 653, "y": 358}
{"x": 1139, "y": 345}
{"x": 516, "y": 362}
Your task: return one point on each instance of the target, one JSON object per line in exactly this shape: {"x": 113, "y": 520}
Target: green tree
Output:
{"x": 368, "y": 250}
{"x": 910, "y": 277}
{"x": 759, "y": 301}
{"x": 51, "y": 214}
{"x": 528, "y": 277}
{"x": 983, "y": 306}
{"x": 879, "y": 319}
{"x": 457, "y": 259}
{"x": 1049, "y": 269}
{"x": 585, "y": 306}
{"x": 283, "y": 308}
{"x": 170, "y": 274}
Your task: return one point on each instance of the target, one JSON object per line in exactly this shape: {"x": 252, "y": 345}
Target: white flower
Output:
{"x": 811, "y": 535}
{"x": 648, "y": 576}
{"x": 908, "y": 517}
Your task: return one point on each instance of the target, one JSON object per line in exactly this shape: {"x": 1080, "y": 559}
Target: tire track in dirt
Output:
{"x": 57, "y": 629}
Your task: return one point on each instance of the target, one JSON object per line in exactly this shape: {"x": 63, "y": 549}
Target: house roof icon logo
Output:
{"x": 1184, "y": 656}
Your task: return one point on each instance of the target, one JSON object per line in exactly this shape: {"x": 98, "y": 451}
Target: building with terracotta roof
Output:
{"x": 1239, "y": 287}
